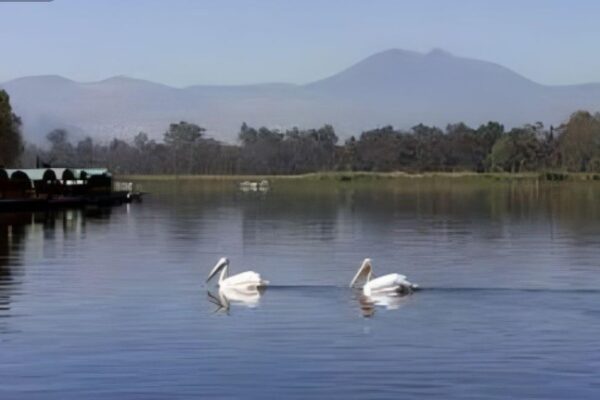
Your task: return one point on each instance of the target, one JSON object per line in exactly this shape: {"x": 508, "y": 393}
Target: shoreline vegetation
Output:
{"x": 374, "y": 176}
{"x": 570, "y": 151}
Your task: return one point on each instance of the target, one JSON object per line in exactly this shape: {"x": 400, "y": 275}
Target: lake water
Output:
{"x": 111, "y": 304}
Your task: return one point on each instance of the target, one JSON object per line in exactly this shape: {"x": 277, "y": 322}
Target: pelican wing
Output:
{"x": 387, "y": 282}
{"x": 248, "y": 278}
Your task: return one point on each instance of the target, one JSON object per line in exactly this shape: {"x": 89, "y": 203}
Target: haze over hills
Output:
{"x": 396, "y": 87}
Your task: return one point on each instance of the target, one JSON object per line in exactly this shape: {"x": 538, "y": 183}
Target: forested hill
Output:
{"x": 394, "y": 87}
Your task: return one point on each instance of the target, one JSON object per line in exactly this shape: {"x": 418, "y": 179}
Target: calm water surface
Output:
{"x": 109, "y": 304}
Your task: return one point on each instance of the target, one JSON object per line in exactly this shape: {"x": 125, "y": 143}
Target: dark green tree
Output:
{"x": 182, "y": 139}
{"x": 11, "y": 142}
{"x": 580, "y": 142}
{"x": 517, "y": 151}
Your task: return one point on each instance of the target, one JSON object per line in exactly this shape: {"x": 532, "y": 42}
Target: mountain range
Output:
{"x": 393, "y": 87}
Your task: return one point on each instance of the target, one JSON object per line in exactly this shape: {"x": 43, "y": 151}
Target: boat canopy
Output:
{"x": 31, "y": 174}
{"x": 65, "y": 174}
{"x": 84, "y": 173}
{"x": 51, "y": 174}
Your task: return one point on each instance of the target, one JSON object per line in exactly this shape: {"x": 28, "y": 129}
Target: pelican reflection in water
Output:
{"x": 368, "y": 304}
{"x": 227, "y": 296}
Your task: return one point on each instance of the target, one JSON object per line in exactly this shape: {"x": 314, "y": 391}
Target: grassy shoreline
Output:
{"x": 372, "y": 176}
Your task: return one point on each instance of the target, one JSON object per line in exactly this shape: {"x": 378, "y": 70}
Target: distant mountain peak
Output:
{"x": 124, "y": 79}
{"x": 400, "y": 54}
{"x": 47, "y": 79}
{"x": 118, "y": 78}
{"x": 390, "y": 55}
{"x": 396, "y": 52}
{"x": 437, "y": 52}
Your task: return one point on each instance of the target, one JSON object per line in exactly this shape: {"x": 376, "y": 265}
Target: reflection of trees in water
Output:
{"x": 325, "y": 211}
{"x": 305, "y": 214}
{"x": 195, "y": 209}
{"x": 12, "y": 233}
{"x": 314, "y": 210}
{"x": 188, "y": 209}
{"x": 18, "y": 231}
{"x": 570, "y": 206}
{"x": 473, "y": 206}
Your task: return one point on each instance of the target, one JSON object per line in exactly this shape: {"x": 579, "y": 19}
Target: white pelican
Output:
{"x": 390, "y": 284}
{"x": 248, "y": 280}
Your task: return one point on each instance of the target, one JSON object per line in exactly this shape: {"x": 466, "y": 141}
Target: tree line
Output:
{"x": 186, "y": 149}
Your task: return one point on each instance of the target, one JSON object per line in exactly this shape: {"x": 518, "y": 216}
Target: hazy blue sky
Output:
{"x": 183, "y": 42}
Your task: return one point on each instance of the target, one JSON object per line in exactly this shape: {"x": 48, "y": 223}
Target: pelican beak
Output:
{"x": 220, "y": 264}
{"x": 353, "y": 282}
{"x": 363, "y": 271}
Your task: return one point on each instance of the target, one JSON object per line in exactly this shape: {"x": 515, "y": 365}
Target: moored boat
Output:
{"x": 46, "y": 188}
